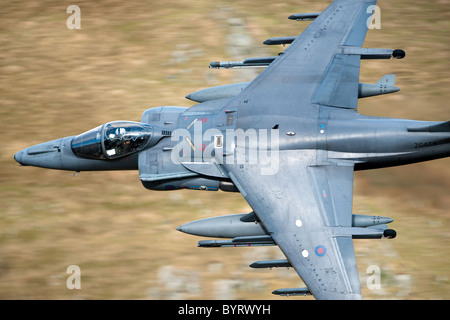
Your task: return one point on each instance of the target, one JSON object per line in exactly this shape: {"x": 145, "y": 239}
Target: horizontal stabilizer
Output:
{"x": 440, "y": 127}
{"x": 304, "y": 16}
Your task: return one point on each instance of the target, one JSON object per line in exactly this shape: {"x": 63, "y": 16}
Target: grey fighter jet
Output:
{"x": 289, "y": 142}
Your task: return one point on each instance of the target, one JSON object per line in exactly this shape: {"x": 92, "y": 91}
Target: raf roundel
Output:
{"x": 320, "y": 251}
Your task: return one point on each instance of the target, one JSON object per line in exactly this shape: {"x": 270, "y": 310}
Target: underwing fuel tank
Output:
{"x": 383, "y": 86}
{"x": 248, "y": 225}
{"x": 229, "y": 226}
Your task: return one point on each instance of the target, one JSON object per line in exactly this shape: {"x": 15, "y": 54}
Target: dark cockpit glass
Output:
{"x": 112, "y": 140}
{"x": 124, "y": 138}
{"x": 89, "y": 144}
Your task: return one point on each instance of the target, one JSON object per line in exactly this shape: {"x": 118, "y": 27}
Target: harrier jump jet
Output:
{"x": 289, "y": 142}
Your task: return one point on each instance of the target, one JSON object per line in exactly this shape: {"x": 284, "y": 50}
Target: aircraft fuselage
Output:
{"x": 367, "y": 142}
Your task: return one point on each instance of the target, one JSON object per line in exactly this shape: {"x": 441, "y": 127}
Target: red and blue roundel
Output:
{"x": 320, "y": 251}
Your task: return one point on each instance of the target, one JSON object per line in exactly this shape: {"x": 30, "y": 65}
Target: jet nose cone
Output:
{"x": 44, "y": 155}
{"x": 18, "y": 157}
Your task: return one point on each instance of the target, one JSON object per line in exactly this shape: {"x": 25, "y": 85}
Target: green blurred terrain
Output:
{"x": 133, "y": 55}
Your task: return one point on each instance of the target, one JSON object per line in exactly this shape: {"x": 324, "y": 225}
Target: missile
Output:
{"x": 279, "y": 40}
{"x": 253, "y": 241}
{"x": 292, "y": 292}
{"x": 373, "y": 53}
{"x": 247, "y": 63}
{"x": 283, "y": 263}
{"x": 364, "y": 53}
{"x": 376, "y": 232}
{"x": 225, "y": 64}
{"x": 304, "y": 16}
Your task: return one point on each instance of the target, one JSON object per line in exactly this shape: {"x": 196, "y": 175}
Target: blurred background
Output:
{"x": 129, "y": 56}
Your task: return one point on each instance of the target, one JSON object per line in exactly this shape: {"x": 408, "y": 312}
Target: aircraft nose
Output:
{"x": 45, "y": 155}
{"x": 18, "y": 157}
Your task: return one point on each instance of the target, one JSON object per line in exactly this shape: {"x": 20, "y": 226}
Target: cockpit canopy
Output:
{"x": 112, "y": 140}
